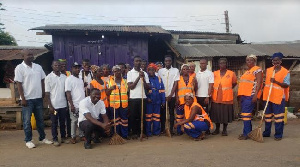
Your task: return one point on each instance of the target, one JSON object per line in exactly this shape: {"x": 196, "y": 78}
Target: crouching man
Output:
{"x": 93, "y": 118}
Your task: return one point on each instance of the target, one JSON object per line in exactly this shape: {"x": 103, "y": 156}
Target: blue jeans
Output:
{"x": 34, "y": 106}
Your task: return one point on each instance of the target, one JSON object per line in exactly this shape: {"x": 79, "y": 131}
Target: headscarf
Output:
{"x": 252, "y": 56}
{"x": 94, "y": 68}
{"x": 184, "y": 65}
{"x": 278, "y": 54}
{"x": 190, "y": 95}
{"x": 116, "y": 67}
{"x": 152, "y": 65}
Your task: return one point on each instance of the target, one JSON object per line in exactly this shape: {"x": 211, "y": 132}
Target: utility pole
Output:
{"x": 226, "y": 21}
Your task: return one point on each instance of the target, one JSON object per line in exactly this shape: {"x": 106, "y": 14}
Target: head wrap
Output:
{"x": 252, "y": 56}
{"x": 116, "y": 67}
{"x": 278, "y": 54}
{"x": 94, "y": 68}
{"x": 190, "y": 95}
{"x": 152, "y": 65}
{"x": 184, "y": 65}
{"x": 62, "y": 60}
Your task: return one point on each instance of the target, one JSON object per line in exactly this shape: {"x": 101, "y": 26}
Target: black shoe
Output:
{"x": 224, "y": 133}
{"x": 277, "y": 139}
{"x": 215, "y": 132}
{"x": 97, "y": 140}
{"x": 207, "y": 132}
{"x": 87, "y": 145}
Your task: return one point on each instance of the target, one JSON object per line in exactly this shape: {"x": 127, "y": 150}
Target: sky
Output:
{"x": 255, "y": 21}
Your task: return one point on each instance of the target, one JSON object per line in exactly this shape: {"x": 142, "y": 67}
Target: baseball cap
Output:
{"x": 76, "y": 64}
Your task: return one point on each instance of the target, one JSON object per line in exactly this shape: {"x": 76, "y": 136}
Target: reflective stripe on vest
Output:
{"x": 183, "y": 88}
{"x": 277, "y": 91}
{"x": 247, "y": 81}
{"x": 198, "y": 117}
{"x": 117, "y": 94}
{"x": 226, "y": 82}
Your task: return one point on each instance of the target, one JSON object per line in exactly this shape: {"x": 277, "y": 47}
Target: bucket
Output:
{"x": 285, "y": 115}
{"x": 33, "y": 122}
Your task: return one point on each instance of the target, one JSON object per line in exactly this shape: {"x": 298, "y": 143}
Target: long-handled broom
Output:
{"x": 256, "y": 134}
{"x": 142, "y": 111}
{"x": 167, "y": 122}
{"x": 116, "y": 139}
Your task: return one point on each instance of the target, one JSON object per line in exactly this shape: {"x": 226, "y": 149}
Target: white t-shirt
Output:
{"x": 76, "y": 87}
{"x": 204, "y": 79}
{"x": 87, "y": 78}
{"x": 173, "y": 76}
{"x": 55, "y": 85}
{"x": 31, "y": 78}
{"x": 136, "y": 93}
{"x": 86, "y": 106}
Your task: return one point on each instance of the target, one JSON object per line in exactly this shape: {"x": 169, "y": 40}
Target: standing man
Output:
{"x": 205, "y": 80}
{"x": 135, "y": 77}
{"x": 144, "y": 65}
{"x": 63, "y": 70}
{"x": 90, "y": 110}
{"x": 74, "y": 89}
{"x": 279, "y": 94}
{"x": 86, "y": 75}
{"x": 170, "y": 77}
{"x": 56, "y": 98}
{"x": 30, "y": 81}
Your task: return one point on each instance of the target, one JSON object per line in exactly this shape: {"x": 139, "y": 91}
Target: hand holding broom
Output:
{"x": 167, "y": 123}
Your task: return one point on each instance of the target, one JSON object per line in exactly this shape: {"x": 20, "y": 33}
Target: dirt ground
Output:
{"x": 158, "y": 151}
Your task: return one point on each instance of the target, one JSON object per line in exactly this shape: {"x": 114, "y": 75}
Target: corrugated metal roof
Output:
{"x": 14, "y": 52}
{"x": 211, "y": 50}
{"x": 146, "y": 29}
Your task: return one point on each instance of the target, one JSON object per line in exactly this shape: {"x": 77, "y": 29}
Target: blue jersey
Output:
{"x": 157, "y": 90}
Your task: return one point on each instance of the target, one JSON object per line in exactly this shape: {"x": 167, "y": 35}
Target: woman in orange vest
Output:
{"x": 98, "y": 83}
{"x": 106, "y": 72}
{"x": 222, "y": 97}
{"x": 186, "y": 84}
{"x": 279, "y": 94}
{"x": 250, "y": 85}
{"x": 196, "y": 121}
{"x": 118, "y": 100}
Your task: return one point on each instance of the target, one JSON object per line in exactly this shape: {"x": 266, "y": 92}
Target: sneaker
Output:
{"x": 73, "y": 140}
{"x": 87, "y": 145}
{"x": 46, "y": 141}
{"x": 30, "y": 144}
{"x": 56, "y": 143}
{"x": 65, "y": 140}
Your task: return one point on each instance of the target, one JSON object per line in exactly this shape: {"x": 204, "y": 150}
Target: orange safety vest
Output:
{"x": 277, "y": 91}
{"x": 226, "y": 82}
{"x": 193, "y": 75}
{"x": 183, "y": 88}
{"x": 247, "y": 82}
{"x": 198, "y": 117}
{"x": 68, "y": 73}
{"x": 118, "y": 95}
{"x": 102, "y": 88}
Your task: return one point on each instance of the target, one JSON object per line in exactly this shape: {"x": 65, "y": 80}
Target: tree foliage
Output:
{"x": 7, "y": 39}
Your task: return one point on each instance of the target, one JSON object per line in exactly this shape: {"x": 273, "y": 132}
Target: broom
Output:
{"x": 142, "y": 112}
{"x": 116, "y": 139}
{"x": 256, "y": 134}
{"x": 167, "y": 123}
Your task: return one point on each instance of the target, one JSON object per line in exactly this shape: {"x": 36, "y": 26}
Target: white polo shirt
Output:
{"x": 136, "y": 93}
{"x": 173, "y": 76}
{"x": 76, "y": 87}
{"x": 86, "y": 106}
{"x": 55, "y": 85}
{"x": 204, "y": 79}
{"x": 87, "y": 78}
{"x": 31, "y": 78}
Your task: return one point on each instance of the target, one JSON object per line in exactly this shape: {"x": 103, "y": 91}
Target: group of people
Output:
{"x": 93, "y": 99}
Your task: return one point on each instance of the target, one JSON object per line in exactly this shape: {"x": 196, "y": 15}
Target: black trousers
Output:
{"x": 135, "y": 109}
{"x": 200, "y": 100}
{"x": 89, "y": 128}
{"x": 171, "y": 106}
{"x": 61, "y": 117}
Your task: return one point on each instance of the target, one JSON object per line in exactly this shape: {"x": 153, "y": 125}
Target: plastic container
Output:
{"x": 33, "y": 122}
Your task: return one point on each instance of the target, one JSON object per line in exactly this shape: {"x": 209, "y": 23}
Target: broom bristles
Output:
{"x": 256, "y": 135}
{"x": 116, "y": 140}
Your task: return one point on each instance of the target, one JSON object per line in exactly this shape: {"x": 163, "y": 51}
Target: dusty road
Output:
{"x": 158, "y": 151}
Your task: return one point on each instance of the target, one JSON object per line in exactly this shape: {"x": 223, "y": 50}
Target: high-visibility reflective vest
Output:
{"x": 198, "y": 117}
{"x": 102, "y": 88}
{"x": 183, "y": 88}
{"x": 119, "y": 95}
{"x": 277, "y": 91}
{"x": 193, "y": 75}
{"x": 226, "y": 82}
{"x": 247, "y": 82}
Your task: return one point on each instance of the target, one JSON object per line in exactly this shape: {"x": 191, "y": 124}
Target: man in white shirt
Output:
{"x": 205, "y": 79}
{"x": 170, "y": 77}
{"x": 90, "y": 110}
{"x": 135, "y": 77}
{"x": 74, "y": 88}
{"x": 86, "y": 75}
{"x": 57, "y": 102}
{"x": 30, "y": 81}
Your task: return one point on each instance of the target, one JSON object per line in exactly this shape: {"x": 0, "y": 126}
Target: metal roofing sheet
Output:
{"x": 104, "y": 28}
{"x": 14, "y": 52}
{"x": 211, "y": 50}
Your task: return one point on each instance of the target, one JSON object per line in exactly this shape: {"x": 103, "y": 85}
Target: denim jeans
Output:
{"x": 61, "y": 116}
{"x": 74, "y": 125}
{"x": 34, "y": 106}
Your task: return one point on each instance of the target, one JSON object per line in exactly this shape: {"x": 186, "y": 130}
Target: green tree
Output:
{"x": 5, "y": 37}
